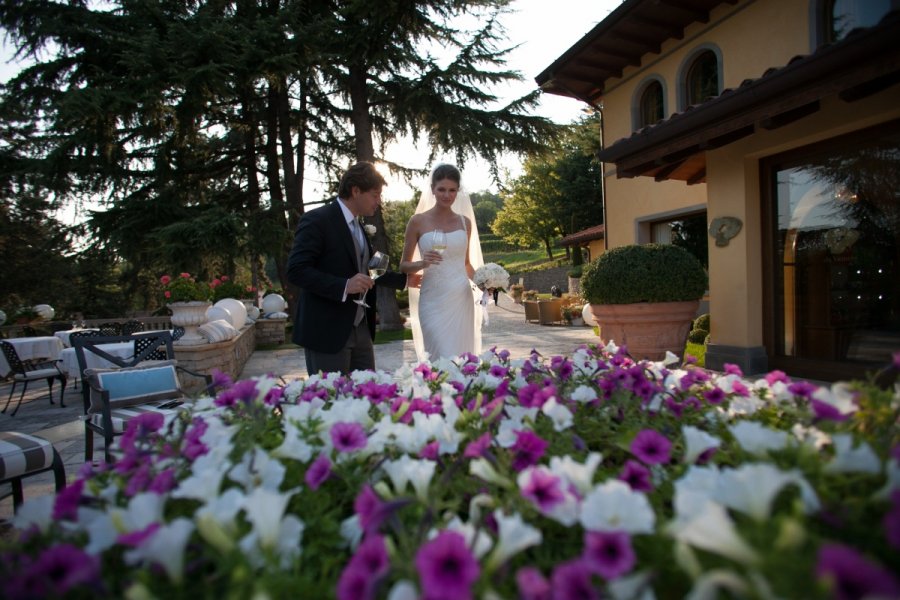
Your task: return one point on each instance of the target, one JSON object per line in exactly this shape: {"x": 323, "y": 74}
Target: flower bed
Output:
{"x": 573, "y": 477}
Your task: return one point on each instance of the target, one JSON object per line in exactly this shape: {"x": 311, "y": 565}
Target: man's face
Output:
{"x": 367, "y": 202}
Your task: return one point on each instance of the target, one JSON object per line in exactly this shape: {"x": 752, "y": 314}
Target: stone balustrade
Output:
{"x": 270, "y": 332}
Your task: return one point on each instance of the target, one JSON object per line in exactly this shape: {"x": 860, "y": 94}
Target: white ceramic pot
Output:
{"x": 217, "y": 313}
{"x": 44, "y": 311}
{"x": 273, "y": 303}
{"x": 189, "y": 315}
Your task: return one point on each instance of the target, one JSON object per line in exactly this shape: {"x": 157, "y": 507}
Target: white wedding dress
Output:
{"x": 446, "y": 302}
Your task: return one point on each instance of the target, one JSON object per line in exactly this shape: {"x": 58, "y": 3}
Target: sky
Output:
{"x": 542, "y": 30}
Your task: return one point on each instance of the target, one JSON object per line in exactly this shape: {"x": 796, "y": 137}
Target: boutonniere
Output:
{"x": 369, "y": 229}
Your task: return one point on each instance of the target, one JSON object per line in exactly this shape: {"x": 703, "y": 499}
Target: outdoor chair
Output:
{"x": 177, "y": 332}
{"x": 108, "y": 329}
{"x": 132, "y": 326}
{"x": 531, "y": 311}
{"x": 25, "y": 372}
{"x": 134, "y": 386}
{"x": 550, "y": 312}
{"x": 23, "y": 455}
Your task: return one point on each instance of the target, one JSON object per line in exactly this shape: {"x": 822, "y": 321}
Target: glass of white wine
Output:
{"x": 438, "y": 241}
{"x": 378, "y": 264}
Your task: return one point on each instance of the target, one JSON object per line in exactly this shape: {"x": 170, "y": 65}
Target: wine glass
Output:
{"x": 377, "y": 266}
{"x": 438, "y": 241}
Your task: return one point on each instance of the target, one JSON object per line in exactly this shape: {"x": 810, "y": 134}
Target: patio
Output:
{"x": 63, "y": 426}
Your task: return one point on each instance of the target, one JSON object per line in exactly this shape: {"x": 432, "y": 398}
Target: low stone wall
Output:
{"x": 228, "y": 356}
{"x": 270, "y": 332}
{"x": 544, "y": 279}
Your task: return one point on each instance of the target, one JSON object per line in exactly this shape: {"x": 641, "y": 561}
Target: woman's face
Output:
{"x": 445, "y": 191}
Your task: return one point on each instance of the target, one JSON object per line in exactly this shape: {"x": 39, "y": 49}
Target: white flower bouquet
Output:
{"x": 491, "y": 277}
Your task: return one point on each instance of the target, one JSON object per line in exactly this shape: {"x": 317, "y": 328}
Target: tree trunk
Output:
{"x": 549, "y": 248}
{"x": 388, "y": 310}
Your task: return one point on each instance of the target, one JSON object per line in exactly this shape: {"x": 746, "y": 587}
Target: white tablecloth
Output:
{"x": 70, "y": 361}
{"x": 32, "y": 347}
{"x": 64, "y": 335}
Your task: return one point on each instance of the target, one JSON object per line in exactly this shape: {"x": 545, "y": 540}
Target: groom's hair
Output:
{"x": 363, "y": 175}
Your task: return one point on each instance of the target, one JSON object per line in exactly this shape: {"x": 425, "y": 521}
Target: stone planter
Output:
{"x": 189, "y": 315}
{"x": 647, "y": 329}
{"x": 577, "y": 322}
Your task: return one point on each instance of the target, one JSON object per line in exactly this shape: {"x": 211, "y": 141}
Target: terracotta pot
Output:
{"x": 647, "y": 329}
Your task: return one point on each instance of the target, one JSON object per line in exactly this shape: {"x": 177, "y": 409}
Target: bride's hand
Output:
{"x": 430, "y": 258}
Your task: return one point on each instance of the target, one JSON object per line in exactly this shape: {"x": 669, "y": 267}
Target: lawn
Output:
{"x": 515, "y": 261}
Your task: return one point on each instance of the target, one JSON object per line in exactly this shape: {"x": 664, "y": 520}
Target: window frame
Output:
{"x": 687, "y": 65}
{"x": 637, "y": 101}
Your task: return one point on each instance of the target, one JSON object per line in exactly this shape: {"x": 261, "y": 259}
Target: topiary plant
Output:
{"x": 644, "y": 273}
{"x": 697, "y": 336}
{"x": 702, "y": 322}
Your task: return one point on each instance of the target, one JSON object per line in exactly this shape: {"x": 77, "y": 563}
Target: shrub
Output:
{"x": 576, "y": 272}
{"x": 644, "y": 273}
{"x": 702, "y": 322}
{"x": 697, "y": 336}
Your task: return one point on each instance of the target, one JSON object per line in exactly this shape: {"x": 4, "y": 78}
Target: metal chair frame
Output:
{"x": 28, "y": 371}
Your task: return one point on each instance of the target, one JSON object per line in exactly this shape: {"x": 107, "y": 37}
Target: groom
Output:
{"x": 328, "y": 262}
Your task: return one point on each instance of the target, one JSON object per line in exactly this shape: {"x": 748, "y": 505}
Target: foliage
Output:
{"x": 560, "y": 191}
{"x": 184, "y": 288}
{"x": 644, "y": 273}
{"x": 225, "y": 287}
{"x": 702, "y": 322}
{"x": 697, "y": 336}
{"x": 485, "y": 205}
{"x": 576, "y": 272}
{"x": 486, "y": 477}
{"x": 690, "y": 233}
{"x": 396, "y": 215}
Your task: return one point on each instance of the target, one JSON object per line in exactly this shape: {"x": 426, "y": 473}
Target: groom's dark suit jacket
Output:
{"x": 322, "y": 259}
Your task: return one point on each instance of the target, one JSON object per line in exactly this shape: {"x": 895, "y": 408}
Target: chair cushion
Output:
{"x": 218, "y": 331}
{"x": 21, "y": 454}
{"x": 38, "y": 374}
{"x": 121, "y": 416}
{"x": 141, "y": 384}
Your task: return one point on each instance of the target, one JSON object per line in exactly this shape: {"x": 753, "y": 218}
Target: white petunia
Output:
{"x": 264, "y": 508}
{"x": 810, "y": 436}
{"x": 758, "y": 439}
{"x": 293, "y": 446}
{"x": 841, "y": 396}
{"x": 217, "y": 519}
{"x": 258, "y": 469}
{"x": 35, "y": 512}
{"x": 892, "y": 468}
{"x": 405, "y": 470}
{"x": 696, "y": 442}
{"x": 165, "y": 547}
{"x": 205, "y": 480}
{"x": 635, "y": 586}
{"x": 513, "y": 536}
{"x": 710, "y": 528}
{"x": 482, "y": 469}
{"x": 351, "y": 531}
{"x": 559, "y": 414}
{"x": 403, "y": 590}
{"x": 696, "y": 487}
{"x": 575, "y": 473}
{"x": 584, "y": 393}
{"x": 848, "y": 459}
{"x": 751, "y": 488}
{"x": 614, "y": 506}
{"x": 718, "y": 583}
{"x": 477, "y": 540}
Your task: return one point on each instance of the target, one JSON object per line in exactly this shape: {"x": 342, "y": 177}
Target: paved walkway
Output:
{"x": 507, "y": 329}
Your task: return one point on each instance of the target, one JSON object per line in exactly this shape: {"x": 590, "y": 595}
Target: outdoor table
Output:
{"x": 29, "y": 348}
{"x": 92, "y": 361}
{"x": 64, "y": 335}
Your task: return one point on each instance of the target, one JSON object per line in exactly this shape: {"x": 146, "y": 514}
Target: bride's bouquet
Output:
{"x": 488, "y": 278}
{"x": 491, "y": 277}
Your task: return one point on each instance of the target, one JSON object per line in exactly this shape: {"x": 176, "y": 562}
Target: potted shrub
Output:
{"x": 645, "y": 297}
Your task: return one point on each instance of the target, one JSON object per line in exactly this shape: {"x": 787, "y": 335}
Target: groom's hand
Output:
{"x": 414, "y": 280}
{"x": 359, "y": 284}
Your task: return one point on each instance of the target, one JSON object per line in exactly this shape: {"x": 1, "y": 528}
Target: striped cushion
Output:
{"x": 21, "y": 454}
{"x": 218, "y": 331}
{"x": 121, "y": 416}
{"x": 147, "y": 382}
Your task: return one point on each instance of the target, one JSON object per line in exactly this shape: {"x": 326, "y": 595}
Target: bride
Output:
{"x": 442, "y": 310}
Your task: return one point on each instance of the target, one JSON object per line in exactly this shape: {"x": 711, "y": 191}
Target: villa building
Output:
{"x": 776, "y": 122}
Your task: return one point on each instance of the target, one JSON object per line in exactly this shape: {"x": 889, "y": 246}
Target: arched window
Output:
{"x": 701, "y": 81}
{"x": 843, "y": 16}
{"x": 651, "y": 105}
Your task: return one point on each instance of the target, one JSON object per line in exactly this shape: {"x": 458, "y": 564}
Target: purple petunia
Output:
{"x": 65, "y": 506}
{"x": 572, "y": 581}
{"x": 163, "y": 482}
{"x": 446, "y": 567}
{"x": 714, "y": 396}
{"x": 372, "y": 556}
{"x": 826, "y": 411}
{"x": 534, "y": 395}
{"x": 193, "y": 447}
{"x": 852, "y": 576}
{"x": 478, "y": 447}
{"x": 528, "y": 450}
{"x": 355, "y": 584}
{"x": 532, "y": 584}
{"x": 609, "y": 553}
{"x": 652, "y": 447}
{"x": 431, "y": 450}
{"x": 370, "y": 509}
{"x": 348, "y": 437}
{"x": 802, "y": 388}
{"x": 544, "y": 489}
{"x": 318, "y": 472}
{"x": 637, "y": 476}
{"x": 60, "y": 569}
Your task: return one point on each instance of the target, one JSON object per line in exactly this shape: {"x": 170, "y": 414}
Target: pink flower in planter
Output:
{"x": 165, "y": 279}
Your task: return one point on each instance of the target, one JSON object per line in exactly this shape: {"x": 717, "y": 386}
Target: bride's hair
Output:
{"x": 445, "y": 171}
